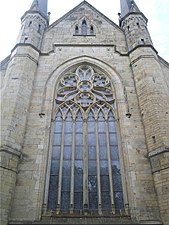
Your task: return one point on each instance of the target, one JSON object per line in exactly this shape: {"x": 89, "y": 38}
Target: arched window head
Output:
{"x": 39, "y": 28}
{"x": 76, "y": 29}
{"x": 84, "y": 27}
{"x": 30, "y": 23}
{"x": 91, "y": 30}
{"x": 85, "y": 167}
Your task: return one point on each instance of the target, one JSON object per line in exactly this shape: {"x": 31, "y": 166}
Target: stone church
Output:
{"x": 84, "y": 121}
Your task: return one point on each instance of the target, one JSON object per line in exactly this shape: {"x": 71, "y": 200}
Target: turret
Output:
{"x": 153, "y": 95}
{"x": 34, "y": 22}
{"x": 16, "y": 96}
{"x": 134, "y": 24}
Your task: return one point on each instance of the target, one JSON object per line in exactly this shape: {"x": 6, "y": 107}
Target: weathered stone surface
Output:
{"x": 141, "y": 88}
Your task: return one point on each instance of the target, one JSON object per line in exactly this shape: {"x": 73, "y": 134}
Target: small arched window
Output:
{"x": 76, "y": 29}
{"x": 30, "y": 23}
{"x": 25, "y": 39}
{"x": 39, "y": 28}
{"x": 91, "y": 30}
{"x": 138, "y": 25}
{"x": 84, "y": 27}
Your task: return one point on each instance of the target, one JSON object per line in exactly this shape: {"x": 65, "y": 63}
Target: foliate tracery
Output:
{"x": 85, "y": 86}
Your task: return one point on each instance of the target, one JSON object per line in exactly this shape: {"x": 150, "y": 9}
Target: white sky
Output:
{"x": 157, "y": 11}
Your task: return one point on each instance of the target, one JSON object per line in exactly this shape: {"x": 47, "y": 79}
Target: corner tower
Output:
{"x": 153, "y": 97}
{"x": 34, "y": 23}
{"x": 16, "y": 95}
{"x": 134, "y": 24}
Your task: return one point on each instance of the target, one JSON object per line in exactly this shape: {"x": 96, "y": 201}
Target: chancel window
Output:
{"x": 85, "y": 170}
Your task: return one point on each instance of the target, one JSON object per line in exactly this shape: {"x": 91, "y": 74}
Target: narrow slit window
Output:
{"x": 25, "y": 39}
{"x": 30, "y": 23}
{"x": 84, "y": 27}
{"x": 76, "y": 29}
{"x": 39, "y": 28}
{"x": 142, "y": 42}
{"x": 91, "y": 30}
{"x": 138, "y": 25}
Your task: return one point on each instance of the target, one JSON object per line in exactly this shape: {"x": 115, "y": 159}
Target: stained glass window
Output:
{"x": 85, "y": 165}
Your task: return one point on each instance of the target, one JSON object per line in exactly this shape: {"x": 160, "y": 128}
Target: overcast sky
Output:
{"x": 157, "y": 11}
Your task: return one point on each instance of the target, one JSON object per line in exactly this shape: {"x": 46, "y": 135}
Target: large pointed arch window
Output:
{"x": 85, "y": 170}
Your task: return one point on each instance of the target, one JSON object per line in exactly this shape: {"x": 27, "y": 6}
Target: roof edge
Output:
{"x": 89, "y": 5}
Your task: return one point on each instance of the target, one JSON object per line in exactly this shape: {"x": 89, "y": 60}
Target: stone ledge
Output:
{"x": 9, "y": 150}
{"x": 159, "y": 159}
{"x": 85, "y": 221}
{"x": 158, "y": 151}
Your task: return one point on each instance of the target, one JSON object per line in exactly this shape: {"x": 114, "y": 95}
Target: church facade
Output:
{"x": 84, "y": 121}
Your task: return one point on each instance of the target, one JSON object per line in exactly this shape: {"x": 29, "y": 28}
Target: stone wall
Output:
{"x": 29, "y": 106}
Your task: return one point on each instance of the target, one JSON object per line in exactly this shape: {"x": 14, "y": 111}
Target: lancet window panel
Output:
{"x": 85, "y": 165}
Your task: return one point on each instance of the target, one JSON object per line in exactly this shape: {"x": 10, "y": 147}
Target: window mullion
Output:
{"x": 60, "y": 169}
{"x": 110, "y": 167}
{"x": 98, "y": 169}
{"x": 72, "y": 170}
{"x": 85, "y": 175}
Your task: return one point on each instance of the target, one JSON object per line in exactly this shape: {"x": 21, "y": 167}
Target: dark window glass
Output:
{"x": 52, "y": 198}
{"x": 79, "y": 152}
{"x": 76, "y": 29}
{"x": 65, "y": 183}
{"x": 114, "y": 152}
{"x": 102, "y": 139}
{"x": 93, "y": 200}
{"x": 67, "y": 154}
{"x": 65, "y": 200}
{"x": 106, "y": 201}
{"x": 113, "y": 138}
{"x": 57, "y": 139}
{"x": 91, "y": 30}
{"x": 79, "y": 139}
{"x": 118, "y": 200}
{"x": 56, "y": 152}
{"x": 92, "y": 167}
{"x": 91, "y": 139}
{"x": 66, "y": 167}
{"x": 104, "y": 167}
{"x": 84, "y": 28}
{"x": 55, "y": 167}
{"x": 78, "y": 200}
{"x": 92, "y": 184}
{"x": 103, "y": 152}
{"x": 105, "y": 183}
{"x": 78, "y": 179}
{"x": 92, "y": 152}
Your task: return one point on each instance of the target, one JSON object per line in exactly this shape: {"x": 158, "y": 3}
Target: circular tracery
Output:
{"x": 85, "y": 85}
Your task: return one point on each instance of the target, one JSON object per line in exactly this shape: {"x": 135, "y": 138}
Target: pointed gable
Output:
{"x": 83, "y": 25}
{"x": 82, "y": 7}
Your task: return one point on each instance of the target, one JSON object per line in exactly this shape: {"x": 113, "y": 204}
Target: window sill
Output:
{"x": 85, "y": 35}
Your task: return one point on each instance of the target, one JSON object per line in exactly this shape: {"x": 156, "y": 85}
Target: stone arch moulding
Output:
{"x": 120, "y": 110}
{"x": 57, "y": 73}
